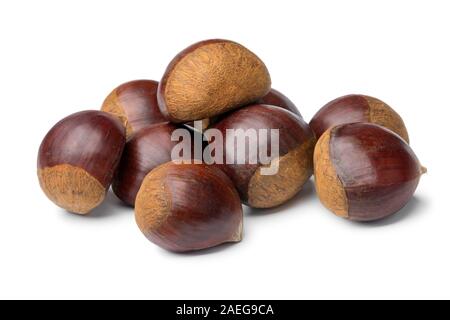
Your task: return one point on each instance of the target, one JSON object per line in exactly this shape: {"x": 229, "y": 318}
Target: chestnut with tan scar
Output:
{"x": 186, "y": 207}
{"x": 209, "y": 78}
{"x": 365, "y": 172}
{"x": 78, "y": 158}
{"x": 357, "y": 108}
{"x": 136, "y": 104}
{"x": 295, "y": 160}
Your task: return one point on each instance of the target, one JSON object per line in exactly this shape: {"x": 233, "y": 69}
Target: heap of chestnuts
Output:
{"x": 164, "y": 148}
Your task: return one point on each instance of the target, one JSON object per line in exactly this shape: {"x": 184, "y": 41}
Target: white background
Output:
{"x": 58, "y": 57}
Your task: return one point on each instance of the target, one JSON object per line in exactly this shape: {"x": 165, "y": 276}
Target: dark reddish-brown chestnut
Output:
{"x": 209, "y": 78}
{"x": 185, "y": 207}
{"x": 146, "y": 150}
{"x": 136, "y": 104}
{"x": 276, "y": 98}
{"x": 357, "y": 108}
{"x": 258, "y": 186}
{"x": 78, "y": 158}
{"x": 364, "y": 172}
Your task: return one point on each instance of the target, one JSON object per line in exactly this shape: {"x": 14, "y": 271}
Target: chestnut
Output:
{"x": 364, "y": 172}
{"x": 136, "y": 104}
{"x": 146, "y": 150}
{"x": 209, "y": 78}
{"x": 293, "y": 162}
{"x": 276, "y": 98}
{"x": 185, "y": 207}
{"x": 357, "y": 108}
{"x": 78, "y": 158}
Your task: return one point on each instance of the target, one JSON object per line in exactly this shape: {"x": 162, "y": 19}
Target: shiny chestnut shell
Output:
{"x": 296, "y": 145}
{"x": 364, "y": 172}
{"x": 357, "y": 108}
{"x": 146, "y": 150}
{"x": 276, "y": 98}
{"x": 186, "y": 207}
{"x": 78, "y": 158}
{"x": 135, "y": 102}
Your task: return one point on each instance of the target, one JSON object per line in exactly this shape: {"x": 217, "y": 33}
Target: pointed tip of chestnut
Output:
{"x": 239, "y": 234}
{"x": 210, "y": 78}
{"x": 364, "y": 172}
{"x": 357, "y": 108}
{"x": 186, "y": 207}
{"x": 78, "y": 157}
{"x": 135, "y": 103}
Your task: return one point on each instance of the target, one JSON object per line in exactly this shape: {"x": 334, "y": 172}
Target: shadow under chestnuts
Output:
{"x": 356, "y": 146}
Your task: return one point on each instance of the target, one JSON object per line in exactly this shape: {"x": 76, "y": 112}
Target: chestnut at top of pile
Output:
{"x": 356, "y": 146}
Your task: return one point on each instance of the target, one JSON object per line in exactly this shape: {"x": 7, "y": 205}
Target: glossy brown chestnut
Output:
{"x": 276, "y": 98}
{"x": 357, "y": 108}
{"x": 78, "y": 158}
{"x": 295, "y": 160}
{"x": 209, "y": 78}
{"x": 364, "y": 172}
{"x": 185, "y": 207}
{"x": 146, "y": 150}
{"x": 136, "y": 104}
